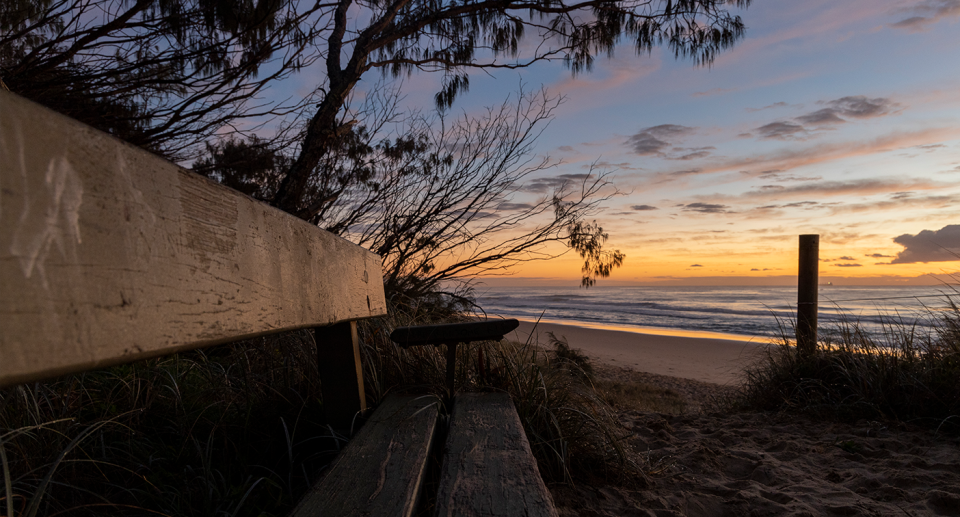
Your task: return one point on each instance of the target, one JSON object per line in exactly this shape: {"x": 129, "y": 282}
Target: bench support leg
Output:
{"x": 341, "y": 375}
{"x": 451, "y": 367}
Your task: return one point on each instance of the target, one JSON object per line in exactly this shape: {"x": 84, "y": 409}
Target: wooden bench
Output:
{"x": 99, "y": 239}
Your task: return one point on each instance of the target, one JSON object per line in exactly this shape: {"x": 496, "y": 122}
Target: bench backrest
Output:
{"x": 109, "y": 254}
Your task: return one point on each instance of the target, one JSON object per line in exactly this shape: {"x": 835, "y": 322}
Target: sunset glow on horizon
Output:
{"x": 838, "y": 119}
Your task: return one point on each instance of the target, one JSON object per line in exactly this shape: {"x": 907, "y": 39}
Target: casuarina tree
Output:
{"x": 162, "y": 74}
{"x": 455, "y": 37}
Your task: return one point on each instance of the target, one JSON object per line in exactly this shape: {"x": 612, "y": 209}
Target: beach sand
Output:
{"x": 712, "y": 359}
{"x": 707, "y": 461}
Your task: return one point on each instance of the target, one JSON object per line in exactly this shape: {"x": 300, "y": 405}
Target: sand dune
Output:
{"x": 770, "y": 464}
{"x": 707, "y": 462}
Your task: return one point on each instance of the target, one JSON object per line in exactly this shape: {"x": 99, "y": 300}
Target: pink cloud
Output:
{"x": 832, "y": 21}
{"x": 606, "y": 84}
{"x": 921, "y": 16}
{"x": 791, "y": 158}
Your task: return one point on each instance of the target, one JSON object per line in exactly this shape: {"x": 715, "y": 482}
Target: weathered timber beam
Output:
{"x": 110, "y": 254}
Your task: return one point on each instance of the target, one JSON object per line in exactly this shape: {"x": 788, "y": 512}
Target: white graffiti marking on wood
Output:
{"x": 49, "y": 219}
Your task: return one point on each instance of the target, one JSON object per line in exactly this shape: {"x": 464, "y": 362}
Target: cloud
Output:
{"x": 780, "y": 104}
{"x": 846, "y": 258}
{"x": 643, "y": 208}
{"x": 611, "y": 80}
{"x": 878, "y": 255}
{"x": 693, "y": 152}
{"x": 794, "y": 157}
{"x": 507, "y": 207}
{"x": 608, "y": 166}
{"x": 706, "y": 208}
{"x": 781, "y": 176}
{"x": 929, "y": 246}
{"x": 855, "y": 106}
{"x": 862, "y": 187}
{"x": 912, "y": 24}
{"x": 686, "y": 172}
{"x": 821, "y": 117}
{"x": 935, "y": 202}
{"x": 802, "y": 204}
{"x": 928, "y": 13}
{"x": 715, "y": 91}
{"x": 695, "y": 265}
{"x": 541, "y": 185}
{"x": 566, "y": 149}
{"x": 859, "y": 106}
{"x": 654, "y": 140}
{"x": 780, "y": 130}
{"x": 848, "y": 265}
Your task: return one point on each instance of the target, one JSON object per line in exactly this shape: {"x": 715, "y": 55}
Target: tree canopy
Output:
{"x": 453, "y": 37}
{"x": 161, "y": 74}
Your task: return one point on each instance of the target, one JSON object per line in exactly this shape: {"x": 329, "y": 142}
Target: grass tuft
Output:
{"x": 227, "y": 431}
{"x": 908, "y": 371}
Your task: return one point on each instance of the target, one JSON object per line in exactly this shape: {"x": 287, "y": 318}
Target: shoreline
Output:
{"x": 652, "y": 331}
{"x": 705, "y": 359}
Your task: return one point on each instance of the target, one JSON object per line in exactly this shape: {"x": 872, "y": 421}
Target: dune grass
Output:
{"x": 214, "y": 432}
{"x": 237, "y": 430}
{"x": 908, "y": 371}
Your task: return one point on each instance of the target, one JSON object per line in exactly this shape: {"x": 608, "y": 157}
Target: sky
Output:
{"x": 834, "y": 118}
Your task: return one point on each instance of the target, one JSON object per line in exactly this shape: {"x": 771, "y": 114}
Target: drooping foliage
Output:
{"x": 401, "y": 36}
{"x": 161, "y": 74}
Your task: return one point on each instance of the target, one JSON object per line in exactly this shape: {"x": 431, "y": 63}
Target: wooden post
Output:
{"x": 807, "y": 294}
{"x": 341, "y": 375}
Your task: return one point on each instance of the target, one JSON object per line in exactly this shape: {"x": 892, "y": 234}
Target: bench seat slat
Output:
{"x": 381, "y": 470}
{"x": 487, "y": 467}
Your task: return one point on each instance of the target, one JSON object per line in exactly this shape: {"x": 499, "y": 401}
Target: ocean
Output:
{"x": 741, "y": 311}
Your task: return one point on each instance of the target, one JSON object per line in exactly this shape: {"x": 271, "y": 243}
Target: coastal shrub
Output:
{"x": 238, "y": 430}
{"x": 908, "y": 371}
